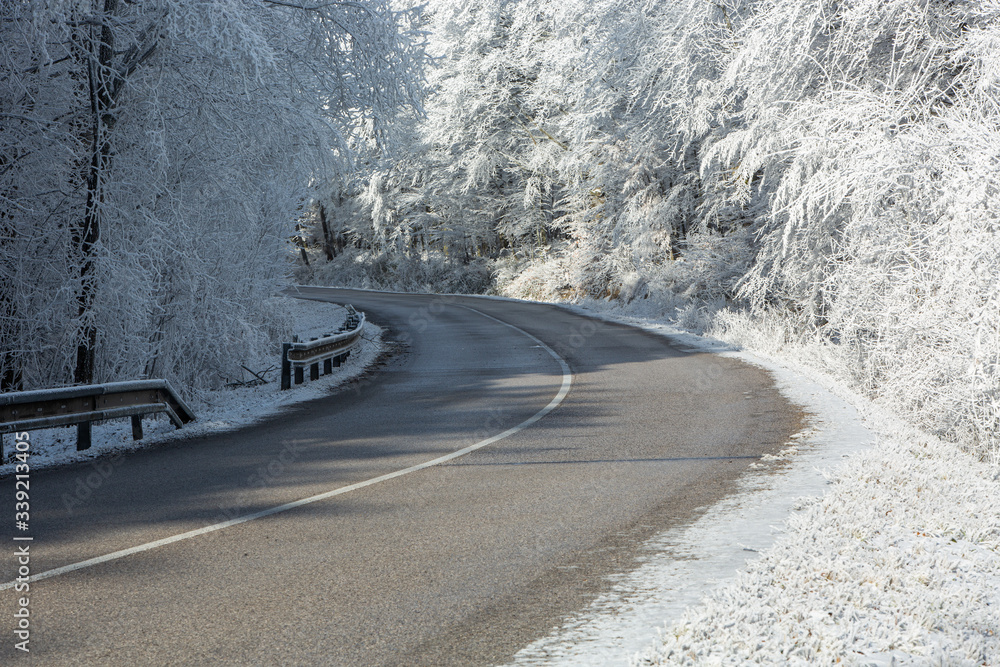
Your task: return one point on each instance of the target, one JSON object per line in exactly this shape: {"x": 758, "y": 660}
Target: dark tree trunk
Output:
{"x": 327, "y": 241}
{"x": 10, "y": 323}
{"x": 101, "y": 77}
{"x": 85, "y": 237}
{"x": 10, "y": 378}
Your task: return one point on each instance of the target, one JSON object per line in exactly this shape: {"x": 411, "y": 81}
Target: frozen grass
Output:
{"x": 899, "y": 563}
{"x": 217, "y": 411}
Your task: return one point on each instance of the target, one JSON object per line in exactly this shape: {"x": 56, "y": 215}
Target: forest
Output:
{"x": 822, "y": 172}
{"x": 155, "y": 158}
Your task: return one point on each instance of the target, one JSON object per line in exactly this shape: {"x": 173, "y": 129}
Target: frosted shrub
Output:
{"x": 394, "y": 271}
{"x": 915, "y": 296}
{"x": 545, "y": 278}
{"x": 881, "y": 232}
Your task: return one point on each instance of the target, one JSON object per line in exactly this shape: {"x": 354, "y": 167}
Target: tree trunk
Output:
{"x": 10, "y": 324}
{"x": 86, "y": 235}
{"x": 10, "y": 365}
{"x": 327, "y": 244}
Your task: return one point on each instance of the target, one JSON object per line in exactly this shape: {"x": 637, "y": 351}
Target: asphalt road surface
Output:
{"x": 459, "y": 563}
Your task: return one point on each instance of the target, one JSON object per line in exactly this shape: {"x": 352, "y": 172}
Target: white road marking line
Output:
{"x": 553, "y": 404}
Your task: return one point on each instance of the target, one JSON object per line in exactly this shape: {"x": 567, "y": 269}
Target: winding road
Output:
{"x": 448, "y": 508}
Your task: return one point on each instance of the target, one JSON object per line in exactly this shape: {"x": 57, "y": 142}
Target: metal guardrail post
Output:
{"x": 83, "y": 436}
{"x": 286, "y": 367}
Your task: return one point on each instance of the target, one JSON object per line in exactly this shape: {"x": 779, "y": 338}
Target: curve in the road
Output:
{"x": 567, "y": 382}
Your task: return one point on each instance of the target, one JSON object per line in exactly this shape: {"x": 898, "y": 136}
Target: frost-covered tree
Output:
{"x": 557, "y": 122}
{"x": 874, "y": 151}
{"x": 154, "y": 157}
{"x": 478, "y": 175}
{"x": 486, "y": 149}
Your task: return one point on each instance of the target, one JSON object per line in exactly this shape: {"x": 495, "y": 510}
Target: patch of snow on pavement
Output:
{"x": 217, "y": 411}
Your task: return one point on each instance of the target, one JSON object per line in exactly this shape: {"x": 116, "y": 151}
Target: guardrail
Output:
{"x": 83, "y": 405}
{"x": 332, "y": 350}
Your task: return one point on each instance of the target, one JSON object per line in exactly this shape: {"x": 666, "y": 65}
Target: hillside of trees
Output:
{"x": 830, "y": 167}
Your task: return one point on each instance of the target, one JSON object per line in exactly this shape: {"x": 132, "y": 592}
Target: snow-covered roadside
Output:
{"x": 868, "y": 543}
{"x": 217, "y": 411}
{"x": 897, "y": 564}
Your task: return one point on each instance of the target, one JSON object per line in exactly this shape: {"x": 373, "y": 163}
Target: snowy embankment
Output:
{"x": 897, "y": 563}
{"x": 220, "y": 410}
{"x": 868, "y": 542}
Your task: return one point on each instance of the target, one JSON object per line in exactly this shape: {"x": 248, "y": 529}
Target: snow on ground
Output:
{"x": 217, "y": 411}
{"x": 897, "y": 564}
{"x": 867, "y": 543}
